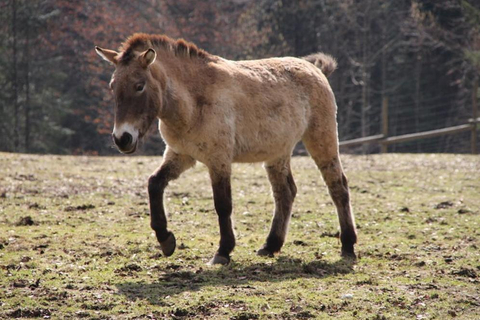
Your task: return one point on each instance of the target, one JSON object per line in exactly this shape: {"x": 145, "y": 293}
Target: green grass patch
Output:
{"x": 75, "y": 242}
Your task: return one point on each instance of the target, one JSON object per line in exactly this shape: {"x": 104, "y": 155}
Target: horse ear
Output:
{"x": 148, "y": 57}
{"x": 108, "y": 55}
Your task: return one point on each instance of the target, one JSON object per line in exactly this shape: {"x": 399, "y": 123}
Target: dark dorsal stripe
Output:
{"x": 142, "y": 41}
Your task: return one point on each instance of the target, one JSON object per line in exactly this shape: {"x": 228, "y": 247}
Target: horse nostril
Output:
{"x": 124, "y": 141}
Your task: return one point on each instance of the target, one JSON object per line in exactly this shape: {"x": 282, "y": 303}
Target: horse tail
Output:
{"x": 324, "y": 62}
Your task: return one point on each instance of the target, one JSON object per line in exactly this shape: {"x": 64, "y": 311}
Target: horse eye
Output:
{"x": 139, "y": 86}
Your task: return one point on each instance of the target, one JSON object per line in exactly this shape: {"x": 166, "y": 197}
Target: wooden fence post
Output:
{"x": 384, "y": 146}
{"x": 475, "y": 115}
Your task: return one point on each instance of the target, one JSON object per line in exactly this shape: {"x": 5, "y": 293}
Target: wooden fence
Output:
{"x": 385, "y": 140}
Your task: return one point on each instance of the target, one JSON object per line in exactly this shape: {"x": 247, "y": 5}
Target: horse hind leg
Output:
{"x": 324, "y": 150}
{"x": 284, "y": 191}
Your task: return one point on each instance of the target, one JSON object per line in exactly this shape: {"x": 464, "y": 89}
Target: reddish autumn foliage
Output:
{"x": 423, "y": 56}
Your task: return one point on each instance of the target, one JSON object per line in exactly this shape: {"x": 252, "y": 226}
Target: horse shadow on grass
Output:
{"x": 173, "y": 280}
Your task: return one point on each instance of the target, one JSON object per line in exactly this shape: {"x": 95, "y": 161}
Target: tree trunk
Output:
{"x": 27, "y": 88}
{"x": 16, "y": 131}
{"x": 384, "y": 147}
{"x": 418, "y": 75}
{"x": 365, "y": 80}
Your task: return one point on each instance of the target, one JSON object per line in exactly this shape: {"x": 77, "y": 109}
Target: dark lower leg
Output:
{"x": 284, "y": 191}
{"x": 171, "y": 169}
{"x": 222, "y": 196}
{"x": 338, "y": 188}
{"x": 327, "y": 159}
{"x": 158, "y": 221}
{"x": 348, "y": 234}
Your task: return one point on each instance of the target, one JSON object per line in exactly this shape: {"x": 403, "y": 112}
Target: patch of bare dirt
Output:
{"x": 30, "y": 313}
{"x": 25, "y": 221}
{"x": 82, "y": 207}
{"x": 444, "y": 205}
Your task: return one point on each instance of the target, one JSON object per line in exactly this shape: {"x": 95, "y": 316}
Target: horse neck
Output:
{"x": 185, "y": 82}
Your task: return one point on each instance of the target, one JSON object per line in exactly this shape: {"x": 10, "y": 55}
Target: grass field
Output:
{"x": 75, "y": 242}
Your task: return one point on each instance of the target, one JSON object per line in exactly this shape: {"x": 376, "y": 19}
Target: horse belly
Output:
{"x": 258, "y": 156}
{"x": 261, "y": 146}
{"x": 253, "y": 156}
{"x": 268, "y": 131}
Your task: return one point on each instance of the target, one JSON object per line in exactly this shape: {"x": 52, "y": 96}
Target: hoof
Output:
{"x": 168, "y": 246}
{"x": 348, "y": 253}
{"x": 218, "y": 259}
{"x": 263, "y": 252}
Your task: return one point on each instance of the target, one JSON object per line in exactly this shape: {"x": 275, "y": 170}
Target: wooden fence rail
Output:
{"x": 384, "y": 140}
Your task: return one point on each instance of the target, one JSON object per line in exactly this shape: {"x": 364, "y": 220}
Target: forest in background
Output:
{"x": 422, "y": 55}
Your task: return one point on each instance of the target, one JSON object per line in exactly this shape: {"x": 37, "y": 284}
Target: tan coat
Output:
{"x": 218, "y": 111}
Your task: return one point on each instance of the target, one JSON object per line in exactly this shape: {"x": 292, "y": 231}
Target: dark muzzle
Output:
{"x": 125, "y": 141}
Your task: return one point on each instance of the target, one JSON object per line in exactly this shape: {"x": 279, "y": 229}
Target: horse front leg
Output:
{"x": 173, "y": 165}
{"x": 222, "y": 197}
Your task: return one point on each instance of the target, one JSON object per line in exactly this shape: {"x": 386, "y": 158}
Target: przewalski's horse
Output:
{"x": 218, "y": 111}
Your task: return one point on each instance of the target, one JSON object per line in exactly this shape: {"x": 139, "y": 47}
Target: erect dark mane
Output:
{"x": 143, "y": 41}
